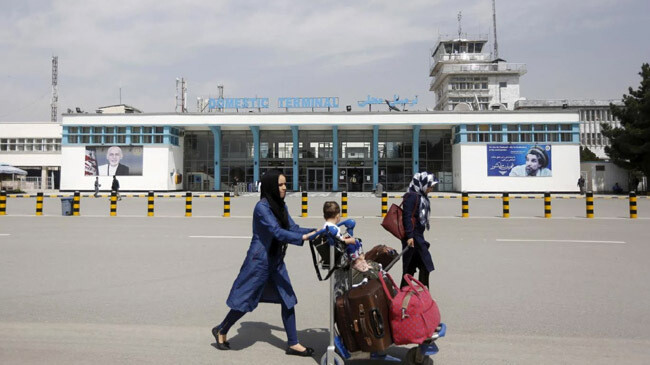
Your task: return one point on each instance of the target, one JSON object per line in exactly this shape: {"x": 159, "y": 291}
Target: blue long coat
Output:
{"x": 420, "y": 246}
{"x": 263, "y": 277}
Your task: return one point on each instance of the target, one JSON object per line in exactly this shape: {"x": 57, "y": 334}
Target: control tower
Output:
{"x": 467, "y": 77}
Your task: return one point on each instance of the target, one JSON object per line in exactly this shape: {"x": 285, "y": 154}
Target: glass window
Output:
{"x": 160, "y": 129}
{"x": 158, "y": 139}
{"x": 121, "y": 130}
{"x": 136, "y": 130}
{"x": 73, "y": 129}
{"x": 146, "y": 139}
{"x": 147, "y": 129}
{"x": 135, "y": 139}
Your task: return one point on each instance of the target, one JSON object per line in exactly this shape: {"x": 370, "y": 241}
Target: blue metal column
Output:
{"x": 416, "y": 149}
{"x": 335, "y": 158}
{"x": 256, "y": 152}
{"x": 294, "y": 132}
{"x": 375, "y": 156}
{"x": 216, "y": 133}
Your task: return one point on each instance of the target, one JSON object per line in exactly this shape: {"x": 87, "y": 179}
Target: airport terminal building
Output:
{"x": 323, "y": 151}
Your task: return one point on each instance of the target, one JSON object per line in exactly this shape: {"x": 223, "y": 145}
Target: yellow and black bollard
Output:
{"x": 226, "y": 204}
{"x": 590, "y": 204}
{"x": 39, "y": 203}
{"x": 632, "y": 204}
{"x": 384, "y": 204}
{"x": 3, "y": 202}
{"x": 547, "y": 205}
{"x": 113, "y": 203}
{"x": 506, "y": 205}
{"x": 344, "y": 204}
{"x": 76, "y": 204}
{"x": 188, "y": 204}
{"x": 150, "y": 204}
{"x": 304, "y": 204}
{"x": 465, "y": 199}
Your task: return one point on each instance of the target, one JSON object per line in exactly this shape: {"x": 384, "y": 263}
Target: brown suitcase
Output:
{"x": 362, "y": 318}
{"x": 344, "y": 325}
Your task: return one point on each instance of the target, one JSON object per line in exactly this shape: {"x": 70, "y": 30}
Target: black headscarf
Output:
{"x": 271, "y": 191}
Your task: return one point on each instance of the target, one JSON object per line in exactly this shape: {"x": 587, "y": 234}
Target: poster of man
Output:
{"x": 519, "y": 160}
{"x": 113, "y": 161}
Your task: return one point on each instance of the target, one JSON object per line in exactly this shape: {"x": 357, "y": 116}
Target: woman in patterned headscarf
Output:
{"x": 417, "y": 208}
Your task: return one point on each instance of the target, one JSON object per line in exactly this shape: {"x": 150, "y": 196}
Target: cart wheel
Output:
{"x": 338, "y": 360}
{"x": 410, "y": 358}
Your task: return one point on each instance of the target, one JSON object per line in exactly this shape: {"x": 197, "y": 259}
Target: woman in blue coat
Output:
{"x": 263, "y": 276}
{"x": 416, "y": 205}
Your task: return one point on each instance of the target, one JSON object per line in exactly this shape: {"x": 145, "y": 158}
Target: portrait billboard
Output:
{"x": 113, "y": 160}
{"x": 519, "y": 160}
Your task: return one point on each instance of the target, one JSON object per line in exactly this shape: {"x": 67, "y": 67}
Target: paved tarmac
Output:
{"x": 147, "y": 290}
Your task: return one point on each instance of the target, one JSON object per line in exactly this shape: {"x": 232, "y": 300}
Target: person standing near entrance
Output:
{"x": 97, "y": 185}
{"x": 581, "y": 184}
{"x": 416, "y": 204}
{"x": 116, "y": 187}
{"x": 263, "y": 276}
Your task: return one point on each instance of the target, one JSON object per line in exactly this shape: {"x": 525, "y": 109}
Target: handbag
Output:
{"x": 414, "y": 315}
{"x": 320, "y": 254}
{"x": 392, "y": 222}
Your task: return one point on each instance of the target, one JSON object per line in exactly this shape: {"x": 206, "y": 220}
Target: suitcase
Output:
{"x": 362, "y": 318}
{"x": 381, "y": 254}
{"x": 414, "y": 315}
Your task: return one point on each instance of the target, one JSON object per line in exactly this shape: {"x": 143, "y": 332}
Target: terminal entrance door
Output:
{"x": 315, "y": 179}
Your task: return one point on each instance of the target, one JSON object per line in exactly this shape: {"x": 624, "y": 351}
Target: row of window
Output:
{"x": 596, "y": 115}
{"x": 595, "y": 139}
{"x": 122, "y": 135}
{"x": 515, "y": 133}
{"x": 468, "y": 83}
{"x": 30, "y": 144}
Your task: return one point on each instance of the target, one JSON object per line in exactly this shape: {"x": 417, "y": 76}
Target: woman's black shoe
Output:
{"x": 220, "y": 345}
{"x": 308, "y": 352}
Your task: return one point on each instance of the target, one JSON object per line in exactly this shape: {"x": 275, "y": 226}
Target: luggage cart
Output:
{"x": 333, "y": 259}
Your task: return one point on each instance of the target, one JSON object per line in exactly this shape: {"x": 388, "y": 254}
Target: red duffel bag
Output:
{"x": 414, "y": 315}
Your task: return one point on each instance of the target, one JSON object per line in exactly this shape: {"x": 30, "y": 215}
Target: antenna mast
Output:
{"x": 494, "y": 23}
{"x": 181, "y": 95}
{"x": 460, "y": 29}
{"x": 55, "y": 93}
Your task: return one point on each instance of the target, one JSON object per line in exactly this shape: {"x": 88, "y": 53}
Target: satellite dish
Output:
{"x": 498, "y": 106}
{"x": 463, "y": 107}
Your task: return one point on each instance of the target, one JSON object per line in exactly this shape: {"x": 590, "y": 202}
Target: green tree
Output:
{"x": 630, "y": 144}
{"x": 587, "y": 155}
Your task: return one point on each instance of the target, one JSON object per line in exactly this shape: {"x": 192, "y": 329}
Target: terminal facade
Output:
{"x": 335, "y": 151}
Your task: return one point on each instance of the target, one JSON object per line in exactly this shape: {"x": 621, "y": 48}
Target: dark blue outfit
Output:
{"x": 418, "y": 257}
{"x": 263, "y": 276}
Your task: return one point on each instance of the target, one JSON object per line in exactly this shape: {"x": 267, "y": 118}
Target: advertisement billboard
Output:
{"x": 519, "y": 160}
{"x": 113, "y": 160}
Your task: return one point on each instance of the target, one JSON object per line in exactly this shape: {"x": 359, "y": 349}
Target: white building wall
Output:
{"x": 509, "y": 94}
{"x": 158, "y": 164}
{"x": 471, "y": 160}
{"x": 600, "y": 176}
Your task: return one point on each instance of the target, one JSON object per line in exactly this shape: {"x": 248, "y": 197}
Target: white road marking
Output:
{"x": 5, "y": 234}
{"x": 572, "y": 241}
{"x": 233, "y": 237}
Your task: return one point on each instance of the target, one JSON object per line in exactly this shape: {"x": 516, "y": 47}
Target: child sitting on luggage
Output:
{"x": 332, "y": 215}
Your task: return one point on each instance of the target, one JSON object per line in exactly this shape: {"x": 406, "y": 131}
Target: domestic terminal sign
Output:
{"x": 263, "y": 103}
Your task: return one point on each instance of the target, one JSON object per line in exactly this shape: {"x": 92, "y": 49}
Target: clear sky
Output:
{"x": 581, "y": 49}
